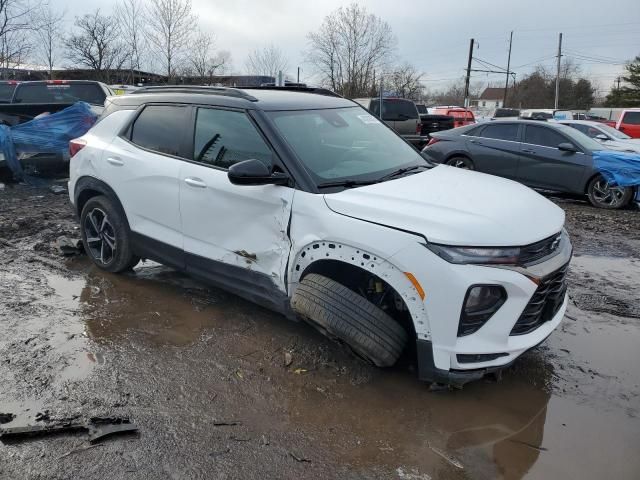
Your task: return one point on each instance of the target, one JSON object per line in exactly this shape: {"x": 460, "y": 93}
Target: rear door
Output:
{"x": 142, "y": 166}
{"x": 630, "y": 124}
{"x": 234, "y": 235}
{"x": 495, "y": 149}
{"x": 543, "y": 165}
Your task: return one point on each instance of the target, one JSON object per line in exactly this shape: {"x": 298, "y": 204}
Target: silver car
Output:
{"x": 608, "y": 136}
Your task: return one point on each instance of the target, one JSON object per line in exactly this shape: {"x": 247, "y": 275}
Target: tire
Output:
{"x": 342, "y": 314}
{"x": 105, "y": 235}
{"x": 602, "y": 195}
{"x": 461, "y": 162}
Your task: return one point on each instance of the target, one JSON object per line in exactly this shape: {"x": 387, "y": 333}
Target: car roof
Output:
{"x": 590, "y": 123}
{"x": 249, "y": 98}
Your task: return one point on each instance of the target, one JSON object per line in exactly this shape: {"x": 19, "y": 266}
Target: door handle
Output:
{"x": 195, "y": 182}
{"x": 526, "y": 150}
{"x": 476, "y": 142}
{"x": 115, "y": 161}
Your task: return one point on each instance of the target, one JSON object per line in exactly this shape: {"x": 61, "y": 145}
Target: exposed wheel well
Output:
{"x": 454, "y": 155}
{"x": 84, "y": 196}
{"x": 369, "y": 286}
{"x": 89, "y": 187}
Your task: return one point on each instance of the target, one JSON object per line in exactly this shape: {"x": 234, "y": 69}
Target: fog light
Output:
{"x": 480, "y": 303}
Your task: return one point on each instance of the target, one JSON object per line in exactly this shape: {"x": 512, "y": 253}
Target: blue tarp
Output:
{"x": 618, "y": 168}
{"x": 48, "y": 134}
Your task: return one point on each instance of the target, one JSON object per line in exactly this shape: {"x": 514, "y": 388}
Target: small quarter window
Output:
{"x": 159, "y": 128}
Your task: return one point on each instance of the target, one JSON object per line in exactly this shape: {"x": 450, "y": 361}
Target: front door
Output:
{"x": 496, "y": 149}
{"x": 234, "y": 236}
{"x": 543, "y": 165}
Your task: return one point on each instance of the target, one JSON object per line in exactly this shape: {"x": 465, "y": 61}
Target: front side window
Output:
{"x": 344, "y": 144}
{"x": 542, "y": 136}
{"x": 159, "y": 128}
{"x": 631, "y": 118}
{"x": 225, "y": 137}
{"x": 501, "y": 132}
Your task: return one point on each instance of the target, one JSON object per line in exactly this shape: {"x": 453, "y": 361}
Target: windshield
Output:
{"x": 581, "y": 139}
{"x": 612, "y": 132}
{"x": 344, "y": 144}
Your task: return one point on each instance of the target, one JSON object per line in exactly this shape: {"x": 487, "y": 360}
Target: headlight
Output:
{"x": 477, "y": 255}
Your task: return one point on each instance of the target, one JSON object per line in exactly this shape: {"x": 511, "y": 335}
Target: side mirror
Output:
{"x": 254, "y": 172}
{"x": 567, "y": 147}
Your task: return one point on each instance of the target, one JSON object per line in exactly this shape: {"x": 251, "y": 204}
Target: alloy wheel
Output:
{"x": 100, "y": 235}
{"x": 606, "y": 194}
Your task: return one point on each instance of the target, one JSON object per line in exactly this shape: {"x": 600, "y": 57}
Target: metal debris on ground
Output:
{"x": 288, "y": 359}
{"x": 57, "y": 189}
{"x": 299, "y": 458}
{"x": 225, "y": 423}
{"x": 453, "y": 461}
{"x": 97, "y": 427}
{"x": 6, "y": 417}
{"x": 69, "y": 247}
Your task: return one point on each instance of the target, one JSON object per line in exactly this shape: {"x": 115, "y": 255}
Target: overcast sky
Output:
{"x": 434, "y": 35}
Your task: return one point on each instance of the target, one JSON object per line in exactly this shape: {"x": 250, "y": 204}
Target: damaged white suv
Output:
{"x": 305, "y": 203}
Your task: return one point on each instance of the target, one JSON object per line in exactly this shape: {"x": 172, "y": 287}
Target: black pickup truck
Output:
{"x": 31, "y": 99}
{"x": 433, "y": 123}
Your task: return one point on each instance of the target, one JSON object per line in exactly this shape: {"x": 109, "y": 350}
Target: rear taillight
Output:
{"x": 432, "y": 140}
{"x": 418, "y": 128}
{"x": 75, "y": 146}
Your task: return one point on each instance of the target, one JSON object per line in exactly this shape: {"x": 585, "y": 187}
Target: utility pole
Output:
{"x": 381, "y": 90}
{"x": 618, "y": 80}
{"x": 298, "y": 75}
{"x": 506, "y": 85}
{"x": 466, "y": 85}
{"x": 558, "y": 72}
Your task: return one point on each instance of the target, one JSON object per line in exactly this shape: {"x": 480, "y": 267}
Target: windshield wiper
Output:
{"x": 400, "y": 171}
{"x": 347, "y": 183}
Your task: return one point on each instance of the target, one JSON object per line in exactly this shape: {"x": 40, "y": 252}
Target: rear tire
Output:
{"x": 603, "y": 195}
{"x": 105, "y": 235}
{"x": 461, "y": 162}
{"x": 342, "y": 314}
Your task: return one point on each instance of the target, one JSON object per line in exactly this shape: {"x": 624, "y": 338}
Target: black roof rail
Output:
{"x": 203, "y": 89}
{"x": 296, "y": 88}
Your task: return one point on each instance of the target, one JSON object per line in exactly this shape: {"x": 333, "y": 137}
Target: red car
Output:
{"x": 461, "y": 116}
{"x": 629, "y": 122}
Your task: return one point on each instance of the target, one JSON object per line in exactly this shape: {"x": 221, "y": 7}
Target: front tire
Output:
{"x": 345, "y": 315}
{"x": 105, "y": 235}
{"x": 461, "y": 162}
{"x": 603, "y": 195}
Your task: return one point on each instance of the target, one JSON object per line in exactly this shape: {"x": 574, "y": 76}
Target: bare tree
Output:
{"x": 202, "y": 59}
{"x": 169, "y": 26}
{"x": 97, "y": 44}
{"x": 49, "y": 34}
{"x": 349, "y": 47}
{"x": 405, "y": 81}
{"x": 130, "y": 15}
{"x": 16, "y": 18}
{"x": 266, "y": 61}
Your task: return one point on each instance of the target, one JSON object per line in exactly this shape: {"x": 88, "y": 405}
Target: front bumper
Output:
{"x": 445, "y": 284}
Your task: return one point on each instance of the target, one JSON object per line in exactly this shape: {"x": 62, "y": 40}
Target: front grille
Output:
{"x": 544, "y": 304}
{"x": 536, "y": 251}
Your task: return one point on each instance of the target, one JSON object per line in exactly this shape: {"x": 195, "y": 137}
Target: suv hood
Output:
{"x": 451, "y": 206}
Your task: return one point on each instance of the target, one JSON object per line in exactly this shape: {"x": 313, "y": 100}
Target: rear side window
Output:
{"x": 225, "y": 137}
{"x": 631, "y": 118}
{"x": 544, "y": 137}
{"x": 398, "y": 110}
{"x": 421, "y": 108}
{"x": 59, "y": 93}
{"x": 501, "y": 132}
{"x": 159, "y": 128}
{"x": 6, "y": 92}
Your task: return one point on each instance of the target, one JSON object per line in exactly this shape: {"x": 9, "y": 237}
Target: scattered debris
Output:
{"x": 57, "y": 189}
{"x": 288, "y": 359}
{"x": 6, "y": 417}
{"x": 43, "y": 416}
{"x": 225, "y": 423}
{"x": 265, "y": 440}
{"x": 97, "y": 428}
{"x": 69, "y": 247}
{"x": 535, "y": 447}
{"x": 300, "y": 370}
{"x": 412, "y": 475}
{"x": 299, "y": 458}
{"x": 80, "y": 449}
{"x": 453, "y": 461}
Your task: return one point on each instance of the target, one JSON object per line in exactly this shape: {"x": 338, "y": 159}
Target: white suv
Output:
{"x": 307, "y": 204}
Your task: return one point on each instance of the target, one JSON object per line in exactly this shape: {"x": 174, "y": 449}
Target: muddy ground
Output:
{"x": 177, "y": 357}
